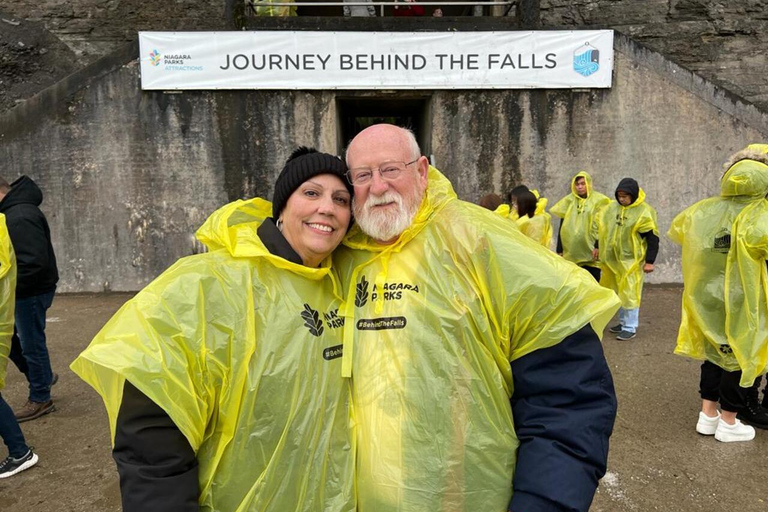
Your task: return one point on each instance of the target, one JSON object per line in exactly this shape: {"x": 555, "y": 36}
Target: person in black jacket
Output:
{"x": 35, "y": 287}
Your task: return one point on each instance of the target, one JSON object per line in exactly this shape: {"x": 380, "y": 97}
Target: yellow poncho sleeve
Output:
{"x": 7, "y": 297}
{"x": 164, "y": 342}
{"x": 746, "y": 292}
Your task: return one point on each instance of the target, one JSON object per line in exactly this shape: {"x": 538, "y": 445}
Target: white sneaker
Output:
{"x": 726, "y": 433}
{"x": 707, "y": 425}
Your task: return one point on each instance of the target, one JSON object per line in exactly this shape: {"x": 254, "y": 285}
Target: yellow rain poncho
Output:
{"x": 704, "y": 231}
{"x": 432, "y": 323}
{"x": 242, "y": 349}
{"x": 7, "y": 297}
{"x": 622, "y": 249}
{"x": 746, "y": 292}
{"x": 578, "y": 230}
{"x": 537, "y": 228}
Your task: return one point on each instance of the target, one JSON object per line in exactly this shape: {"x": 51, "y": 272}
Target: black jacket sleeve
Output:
{"x": 559, "y": 238}
{"x": 157, "y": 466}
{"x": 653, "y": 246}
{"x": 564, "y": 406}
{"x": 30, "y": 241}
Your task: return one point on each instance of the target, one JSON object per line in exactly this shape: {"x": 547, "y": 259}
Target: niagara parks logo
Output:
{"x": 154, "y": 57}
{"x": 586, "y": 60}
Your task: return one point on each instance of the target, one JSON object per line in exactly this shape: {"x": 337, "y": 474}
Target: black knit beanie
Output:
{"x": 303, "y": 164}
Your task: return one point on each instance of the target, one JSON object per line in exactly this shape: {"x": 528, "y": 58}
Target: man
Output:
{"x": 35, "y": 287}
{"x": 628, "y": 239}
{"x": 475, "y": 365}
{"x": 704, "y": 230}
{"x": 577, "y": 235}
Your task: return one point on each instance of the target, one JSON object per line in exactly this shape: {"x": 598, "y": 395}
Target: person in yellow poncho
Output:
{"x": 222, "y": 378}
{"x": 275, "y": 8}
{"x": 577, "y": 234}
{"x": 705, "y": 232}
{"x": 20, "y": 456}
{"x": 472, "y": 350}
{"x": 490, "y": 202}
{"x": 628, "y": 239}
{"x": 511, "y": 211}
{"x": 746, "y": 293}
{"x": 535, "y": 226}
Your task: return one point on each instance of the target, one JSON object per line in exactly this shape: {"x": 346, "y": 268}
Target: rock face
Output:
{"x": 31, "y": 59}
{"x": 94, "y": 28}
{"x": 725, "y": 42}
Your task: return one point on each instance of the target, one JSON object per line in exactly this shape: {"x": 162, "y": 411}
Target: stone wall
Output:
{"x": 130, "y": 175}
{"x": 725, "y": 42}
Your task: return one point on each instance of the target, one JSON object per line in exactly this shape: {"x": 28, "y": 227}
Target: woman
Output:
{"x": 533, "y": 225}
{"x": 222, "y": 378}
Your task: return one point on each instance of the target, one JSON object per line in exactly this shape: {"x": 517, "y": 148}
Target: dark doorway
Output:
{"x": 356, "y": 114}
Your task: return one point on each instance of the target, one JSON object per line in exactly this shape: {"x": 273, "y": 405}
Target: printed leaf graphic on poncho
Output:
{"x": 361, "y": 297}
{"x": 312, "y": 321}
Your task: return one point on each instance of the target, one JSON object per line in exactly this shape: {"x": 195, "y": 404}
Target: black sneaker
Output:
{"x": 753, "y": 413}
{"x": 616, "y": 329}
{"x": 626, "y": 335}
{"x": 11, "y": 466}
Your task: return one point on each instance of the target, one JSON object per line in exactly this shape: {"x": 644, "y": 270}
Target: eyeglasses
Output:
{"x": 388, "y": 171}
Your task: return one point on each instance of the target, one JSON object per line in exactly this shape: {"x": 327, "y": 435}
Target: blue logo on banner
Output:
{"x": 586, "y": 60}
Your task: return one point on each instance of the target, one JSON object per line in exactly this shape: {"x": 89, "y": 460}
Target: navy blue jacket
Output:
{"x": 564, "y": 406}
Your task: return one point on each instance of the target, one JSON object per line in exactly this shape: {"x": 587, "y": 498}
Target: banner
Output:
{"x": 376, "y": 60}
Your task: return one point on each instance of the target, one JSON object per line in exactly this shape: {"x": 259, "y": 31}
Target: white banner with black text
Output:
{"x": 282, "y": 59}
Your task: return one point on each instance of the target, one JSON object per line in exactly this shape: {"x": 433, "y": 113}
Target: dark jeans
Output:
{"x": 10, "y": 431}
{"x": 721, "y": 386}
{"x": 29, "y": 351}
{"x": 594, "y": 272}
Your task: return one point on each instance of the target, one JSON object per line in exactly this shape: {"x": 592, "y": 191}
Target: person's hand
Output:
{"x": 648, "y": 268}
{"x": 595, "y": 254}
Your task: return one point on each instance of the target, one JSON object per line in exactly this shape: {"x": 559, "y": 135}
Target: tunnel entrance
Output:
{"x": 357, "y": 113}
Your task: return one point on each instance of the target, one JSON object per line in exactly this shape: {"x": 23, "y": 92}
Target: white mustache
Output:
{"x": 386, "y": 198}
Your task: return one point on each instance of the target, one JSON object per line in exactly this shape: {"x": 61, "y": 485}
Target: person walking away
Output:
{"x": 35, "y": 287}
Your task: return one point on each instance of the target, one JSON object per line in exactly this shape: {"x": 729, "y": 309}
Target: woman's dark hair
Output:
{"x": 515, "y": 193}
{"x": 526, "y": 204}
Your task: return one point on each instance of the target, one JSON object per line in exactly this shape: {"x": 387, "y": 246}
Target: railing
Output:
{"x": 381, "y": 3}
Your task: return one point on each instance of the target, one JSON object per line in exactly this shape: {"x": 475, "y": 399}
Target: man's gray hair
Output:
{"x": 415, "y": 150}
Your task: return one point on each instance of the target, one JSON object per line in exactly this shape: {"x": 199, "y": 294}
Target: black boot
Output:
{"x": 754, "y": 414}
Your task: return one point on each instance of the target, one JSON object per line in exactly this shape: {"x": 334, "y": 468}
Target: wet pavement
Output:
{"x": 657, "y": 461}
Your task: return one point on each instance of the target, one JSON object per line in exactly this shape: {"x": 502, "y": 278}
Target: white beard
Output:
{"x": 386, "y": 225}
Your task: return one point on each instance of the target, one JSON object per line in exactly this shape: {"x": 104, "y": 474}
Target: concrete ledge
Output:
{"x": 21, "y": 119}
{"x": 721, "y": 98}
